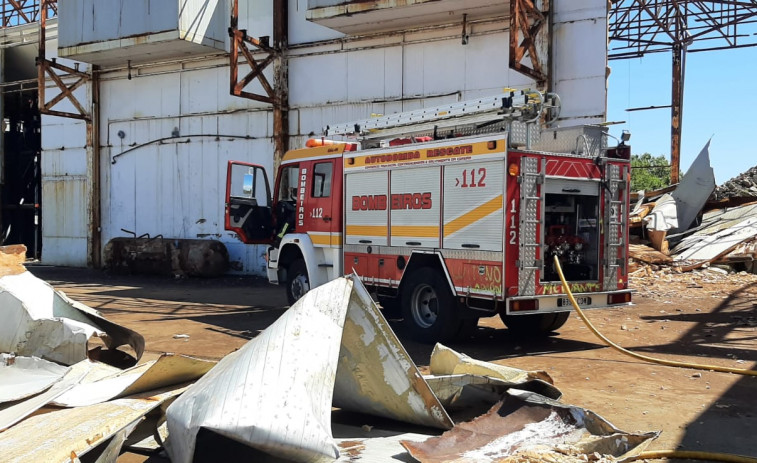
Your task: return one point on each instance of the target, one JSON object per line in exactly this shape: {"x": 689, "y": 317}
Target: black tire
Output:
{"x": 429, "y": 309}
{"x": 390, "y": 306}
{"x": 468, "y": 328}
{"x": 298, "y": 283}
{"x": 535, "y": 324}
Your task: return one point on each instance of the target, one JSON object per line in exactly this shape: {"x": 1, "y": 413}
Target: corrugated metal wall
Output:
{"x": 173, "y": 127}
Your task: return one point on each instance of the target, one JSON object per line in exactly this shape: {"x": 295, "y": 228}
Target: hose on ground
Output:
{"x": 672, "y": 454}
{"x": 670, "y": 363}
{"x": 693, "y": 455}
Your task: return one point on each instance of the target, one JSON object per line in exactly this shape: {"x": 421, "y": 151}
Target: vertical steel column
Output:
{"x": 2, "y": 126}
{"x": 676, "y": 113}
{"x": 280, "y": 81}
{"x": 94, "y": 244}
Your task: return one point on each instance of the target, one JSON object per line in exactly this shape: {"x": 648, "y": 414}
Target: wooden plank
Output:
{"x": 647, "y": 254}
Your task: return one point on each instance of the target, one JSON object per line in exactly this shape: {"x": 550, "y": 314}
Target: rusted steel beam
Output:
{"x": 529, "y": 22}
{"x": 240, "y": 42}
{"x": 281, "y": 81}
{"x": 47, "y": 68}
{"x": 676, "y": 114}
{"x": 277, "y": 95}
{"x": 93, "y": 166}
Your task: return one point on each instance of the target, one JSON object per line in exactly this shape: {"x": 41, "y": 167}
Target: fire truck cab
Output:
{"x": 449, "y": 214}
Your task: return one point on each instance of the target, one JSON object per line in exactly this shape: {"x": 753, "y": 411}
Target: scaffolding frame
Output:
{"x": 20, "y": 12}
{"x": 640, "y": 27}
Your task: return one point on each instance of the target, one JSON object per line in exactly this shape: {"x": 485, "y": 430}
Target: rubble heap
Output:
{"x": 743, "y": 185}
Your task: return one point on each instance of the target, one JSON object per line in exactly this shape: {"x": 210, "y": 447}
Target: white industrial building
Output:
{"x": 167, "y": 123}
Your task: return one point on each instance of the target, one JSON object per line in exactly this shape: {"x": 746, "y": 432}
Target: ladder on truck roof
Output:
{"x": 524, "y": 106}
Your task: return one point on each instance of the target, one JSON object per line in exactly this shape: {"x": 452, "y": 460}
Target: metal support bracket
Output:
{"x": 529, "y": 38}
{"x": 58, "y": 73}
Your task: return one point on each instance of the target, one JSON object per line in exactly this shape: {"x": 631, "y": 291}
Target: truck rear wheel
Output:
{"x": 298, "y": 282}
{"x": 541, "y": 323}
{"x": 428, "y": 307}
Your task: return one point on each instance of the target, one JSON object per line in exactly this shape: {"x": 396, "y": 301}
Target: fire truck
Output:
{"x": 449, "y": 214}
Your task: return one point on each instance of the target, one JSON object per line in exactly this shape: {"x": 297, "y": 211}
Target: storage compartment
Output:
{"x": 571, "y": 230}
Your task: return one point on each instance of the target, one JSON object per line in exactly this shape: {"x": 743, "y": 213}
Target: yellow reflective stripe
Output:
{"x": 367, "y": 230}
{"x": 473, "y": 216}
{"x": 326, "y": 239}
{"x": 417, "y": 231}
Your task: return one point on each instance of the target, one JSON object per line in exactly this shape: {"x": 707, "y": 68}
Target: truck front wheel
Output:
{"x": 535, "y": 324}
{"x": 297, "y": 281}
{"x": 428, "y": 307}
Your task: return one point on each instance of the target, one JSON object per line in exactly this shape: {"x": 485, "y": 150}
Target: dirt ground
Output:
{"x": 702, "y": 317}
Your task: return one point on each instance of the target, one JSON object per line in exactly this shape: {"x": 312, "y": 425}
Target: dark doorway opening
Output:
{"x": 21, "y": 178}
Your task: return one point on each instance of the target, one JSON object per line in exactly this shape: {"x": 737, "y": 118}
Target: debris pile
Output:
{"x": 302, "y": 390}
{"x": 741, "y": 186}
{"x": 661, "y": 282}
{"x": 685, "y": 229}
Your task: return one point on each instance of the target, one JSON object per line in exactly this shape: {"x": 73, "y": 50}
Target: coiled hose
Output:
{"x": 677, "y": 454}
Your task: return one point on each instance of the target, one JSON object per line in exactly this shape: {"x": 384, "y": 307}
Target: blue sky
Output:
{"x": 720, "y": 101}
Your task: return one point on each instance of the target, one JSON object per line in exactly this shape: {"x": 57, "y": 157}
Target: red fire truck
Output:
{"x": 449, "y": 214}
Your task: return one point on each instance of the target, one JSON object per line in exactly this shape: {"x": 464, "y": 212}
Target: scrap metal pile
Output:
{"x": 694, "y": 225}
{"x": 304, "y": 389}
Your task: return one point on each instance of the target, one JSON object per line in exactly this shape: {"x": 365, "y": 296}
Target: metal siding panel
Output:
{"x": 368, "y": 72}
{"x": 404, "y": 221}
{"x": 322, "y": 79}
{"x": 60, "y": 164}
{"x": 583, "y": 101}
{"x": 68, "y": 252}
{"x": 193, "y": 202}
{"x": 439, "y": 59}
{"x": 61, "y": 133}
{"x": 64, "y": 220}
{"x": 576, "y": 10}
{"x": 257, "y": 16}
{"x": 101, "y": 20}
{"x": 479, "y": 56}
{"x": 301, "y": 30}
{"x": 203, "y": 21}
{"x": 120, "y": 199}
{"x": 143, "y": 96}
{"x": 65, "y": 214}
{"x": 360, "y": 184}
{"x": 580, "y": 49}
{"x": 474, "y": 215}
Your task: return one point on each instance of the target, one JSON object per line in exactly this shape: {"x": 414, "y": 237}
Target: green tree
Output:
{"x": 649, "y": 172}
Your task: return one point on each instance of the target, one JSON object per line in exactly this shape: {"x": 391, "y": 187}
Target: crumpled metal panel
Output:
{"x": 63, "y": 435}
{"x": 166, "y": 370}
{"x": 375, "y": 375}
{"x": 275, "y": 393}
{"x": 22, "y": 377}
{"x": 695, "y": 189}
{"x": 526, "y": 427}
{"x": 709, "y": 247}
{"x": 13, "y": 412}
{"x": 42, "y": 322}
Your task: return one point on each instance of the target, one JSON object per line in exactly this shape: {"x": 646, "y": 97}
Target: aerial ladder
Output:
{"x": 510, "y": 111}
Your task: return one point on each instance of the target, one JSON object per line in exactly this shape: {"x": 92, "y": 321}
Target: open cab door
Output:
{"x": 248, "y": 203}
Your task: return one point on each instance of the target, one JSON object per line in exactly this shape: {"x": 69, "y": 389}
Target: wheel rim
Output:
{"x": 424, "y": 306}
{"x": 300, "y": 286}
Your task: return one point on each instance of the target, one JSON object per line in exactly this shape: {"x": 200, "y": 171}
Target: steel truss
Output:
{"x": 20, "y": 12}
{"x": 530, "y": 23}
{"x": 277, "y": 95}
{"x": 639, "y": 27}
